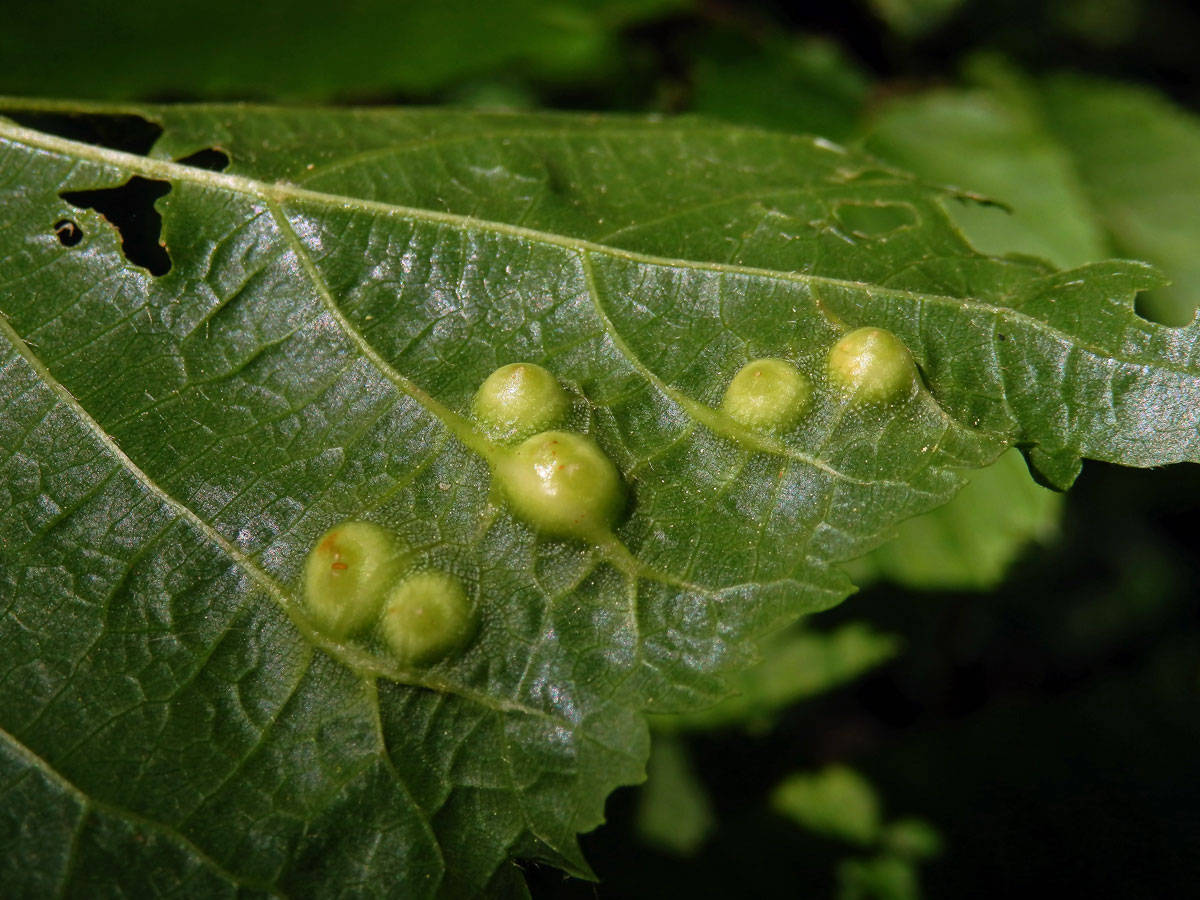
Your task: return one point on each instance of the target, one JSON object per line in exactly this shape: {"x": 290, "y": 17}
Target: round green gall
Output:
{"x": 346, "y": 575}
{"x": 768, "y": 395}
{"x": 427, "y": 617}
{"x": 518, "y": 399}
{"x": 872, "y": 365}
{"x": 563, "y": 485}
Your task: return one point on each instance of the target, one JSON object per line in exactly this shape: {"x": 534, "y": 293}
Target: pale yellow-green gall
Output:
{"x": 768, "y": 395}
{"x": 518, "y": 399}
{"x": 427, "y": 617}
{"x": 563, "y": 485}
{"x": 871, "y": 365}
{"x": 346, "y": 575}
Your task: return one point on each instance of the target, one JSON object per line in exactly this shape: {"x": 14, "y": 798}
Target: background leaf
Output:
{"x": 969, "y": 543}
{"x": 674, "y": 812}
{"x": 798, "y": 663}
{"x": 1087, "y": 168}
{"x": 992, "y": 141}
{"x": 803, "y": 87}
{"x": 1139, "y": 156}
{"x": 835, "y": 801}
{"x": 133, "y": 49}
{"x": 914, "y": 17}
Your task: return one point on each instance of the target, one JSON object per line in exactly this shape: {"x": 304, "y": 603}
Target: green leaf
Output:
{"x": 807, "y": 86}
{"x": 912, "y": 839}
{"x": 175, "y": 443}
{"x": 797, "y": 663}
{"x": 880, "y": 878}
{"x": 1085, "y": 167}
{"x": 1082, "y": 167}
{"x": 1107, "y": 24}
{"x": 1139, "y": 157}
{"x": 133, "y": 49}
{"x": 991, "y": 141}
{"x": 673, "y": 811}
{"x": 836, "y": 801}
{"x": 969, "y": 543}
{"x": 913, "y": 18}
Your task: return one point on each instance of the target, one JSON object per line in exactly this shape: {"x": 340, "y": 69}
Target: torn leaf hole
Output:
{"x": 209, "y": 158}
{"x": 874, "y": 220}
{"x": 130, "y": 209}
{"x": 128, "y": 133}
{"x": 68, "y": 233}
{"x": 1164, "y": 308}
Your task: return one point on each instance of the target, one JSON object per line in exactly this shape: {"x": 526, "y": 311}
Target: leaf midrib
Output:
{"x": 283, "y": 191}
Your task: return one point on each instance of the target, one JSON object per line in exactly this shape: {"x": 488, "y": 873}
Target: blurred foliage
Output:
{"x": 880, "y": 878}
{"x": 797, "y": 663}
{"x": 1085, "y": 168}
{"x": 839, "y": 803}
{"x": 969, "y": 543}
{"x": 674, "y": 812}
{"x": 914, "y": 17}
{"x": 276, "y": 50}
{"x": 912, "y": 839}
{"x": 991, "y": 141}
{"x": 1138, "y": 157}
{"x": 836, "y": 801}
{"x": 806, "y": 85}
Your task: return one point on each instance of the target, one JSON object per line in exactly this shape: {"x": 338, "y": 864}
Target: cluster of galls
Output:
{"x": 559, "y": 482}
{"x": 358, "y": 576}
{"x": 868, "y": 366}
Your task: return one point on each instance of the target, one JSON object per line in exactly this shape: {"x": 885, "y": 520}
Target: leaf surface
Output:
{"x": 174, "y": 444}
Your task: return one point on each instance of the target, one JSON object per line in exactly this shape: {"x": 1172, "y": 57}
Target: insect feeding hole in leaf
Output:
{"x": 130, "y": 209}
{"x": 875, "y": 220}
{"x": 126, "y": 132}
{"x": 209, "y": 158}
{"x": 68, "y": 232}
{"x": 1158, "y": 307}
